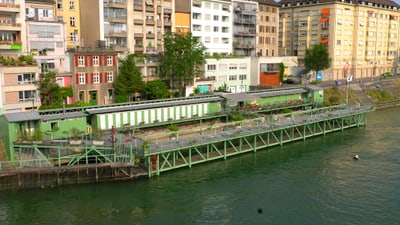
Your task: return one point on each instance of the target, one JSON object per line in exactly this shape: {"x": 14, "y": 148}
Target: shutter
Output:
{"x": 76, "y": 60}
{"x": 86, "y": 78}
{"x": 101, "y": 77}
{"x": 114, "y": 62}
{"x": 91, "y": 60}
{"x": 101, "y": 58}
{"x": 77, "y": 78}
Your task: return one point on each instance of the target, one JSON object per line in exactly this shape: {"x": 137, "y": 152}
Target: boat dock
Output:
{"x": 212, "y": 143}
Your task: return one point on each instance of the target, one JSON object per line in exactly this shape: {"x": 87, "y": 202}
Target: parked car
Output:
{"x": 387, "y": 74}
{"x": 291, "y": 79}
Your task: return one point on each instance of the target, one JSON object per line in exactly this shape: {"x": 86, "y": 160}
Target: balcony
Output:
{"x": 167, "y": 23}
{"x": 11, "y": 45}
{"x": 118, "y": 5}
{"x": 150, "y": 22}
{"x": 150, "y": 35}
{"x": 138, "y": 21}
{"x": 10, "y": 26}
{"x": 150, "y": 9}
{"x": 122, "y": 34}
{"x": 138, "y": 35}
{"x": 138, "y": 7}
{"x": 116, "y": 19}
{"x": 139, "y": 48}
{"x": 167, "y": 11}
{"x": 5, "y": 7}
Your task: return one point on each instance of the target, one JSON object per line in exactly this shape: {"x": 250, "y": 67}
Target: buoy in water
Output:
{"x": 356, "y": 157}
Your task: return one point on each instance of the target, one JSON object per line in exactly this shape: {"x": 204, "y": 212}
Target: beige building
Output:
{"x": 18, "y": 90}
{"x": 267, "y": 28}
{"x": 68, "y": 12}
{"x": 364, "y": 34}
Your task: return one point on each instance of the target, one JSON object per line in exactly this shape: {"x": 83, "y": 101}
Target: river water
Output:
{"x": 311, "y": 182}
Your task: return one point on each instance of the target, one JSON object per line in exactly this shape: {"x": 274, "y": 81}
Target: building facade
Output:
{"x": 268, "y": 28}
{"x": 12, "y": 26}
{"x": 68, "y": 12}
{"x": 364, "y": 35}
{"x": 93, "y": 73}
{"x": 211, "y": 24}
{"x": 18, "y": 89}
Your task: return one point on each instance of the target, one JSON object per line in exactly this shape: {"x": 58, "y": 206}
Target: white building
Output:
{"x": 211, "y": 22}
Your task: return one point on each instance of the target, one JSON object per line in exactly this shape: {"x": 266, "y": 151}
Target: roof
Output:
{"x": 281, "y": 92}
{"x": 240, "y": 97}
{"x": 22, "y": 116}
{"x": 151, "y": 105}
{"x": 382, "y": 2}
{"x": 62, "y": 116}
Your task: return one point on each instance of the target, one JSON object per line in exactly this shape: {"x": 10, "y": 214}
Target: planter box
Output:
{"x": 98, "y": 143}
{"x": 75, "y": 142}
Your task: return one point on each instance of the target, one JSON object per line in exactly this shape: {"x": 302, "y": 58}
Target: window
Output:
{"x": 243, "y": 77}
{"x": 59, "y": 4}
{"x": 232, "y": 66}
{"x": 72, "y": 36}
{"x": 71, "y": 5}
{"x": 216, "y": 29}
{"x": 109, "y": 77}
{"x": 216, "y": 18}
{"x": 72, "y": 21}
{"x": 81, "y": 61}
{"x": 110, "y": 94}
{"x": 60, "y": 19}
{"x": 96, "y": 78}
{"x": 109, "y": 60}
{"x": 26, "y": 95}
{"x": 232, "y": 77}
{"x": 211, "y": 67}
{"x": 95, "y": 60}
{"x": 82, "y": 79}
{"x": 26, "y": 78}
{"x": 81, "y": 95}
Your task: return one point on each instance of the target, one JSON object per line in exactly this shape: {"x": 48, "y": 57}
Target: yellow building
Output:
{"x": 363, "y": 34}
{"x": 182, "y": 16}
{"x": 68, "y": 11}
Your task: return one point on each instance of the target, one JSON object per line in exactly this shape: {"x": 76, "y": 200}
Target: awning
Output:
{"x": 325, "y": 40}
{"x": 324, "y": 19}
{"x": 325, "y": 11}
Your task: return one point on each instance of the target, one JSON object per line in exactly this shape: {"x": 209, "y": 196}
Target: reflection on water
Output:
{"x": 311, "y": 182}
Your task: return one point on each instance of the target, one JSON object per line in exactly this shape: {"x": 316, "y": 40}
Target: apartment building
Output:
{"x": 18, "y": 89}
{"x": 12, "y": 26}
{"x": 211, "y": 23}
{"x": 68, "y": 12}
{"x": 230, "y": 73}
{"x": 45, "y": 36}
{"x": 267, "y": 28}
{"x": 93, "y": 73}
{"x": 244, "y": 27}
{"x": 361, "y": 34}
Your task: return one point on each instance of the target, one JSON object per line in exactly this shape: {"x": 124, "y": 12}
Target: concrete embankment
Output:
{"x": 378, "y": 91}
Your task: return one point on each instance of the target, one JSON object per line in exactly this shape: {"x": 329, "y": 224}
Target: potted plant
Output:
{"x": 98, "y": 137}
{"x": 145, "y": 147}
{"x": 75, "y": 136}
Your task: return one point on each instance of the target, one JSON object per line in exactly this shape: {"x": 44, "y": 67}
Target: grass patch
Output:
{"x": 379, "y": 95}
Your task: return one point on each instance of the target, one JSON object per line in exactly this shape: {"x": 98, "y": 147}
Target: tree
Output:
{"x": 181, "y": 60}
{"x": 156, "y": 89}
{"x": 281, "y": 71}
{"x": 317, "y": 58}
{"x": 129, "y": 80}
{"x": 51, "y": 94}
